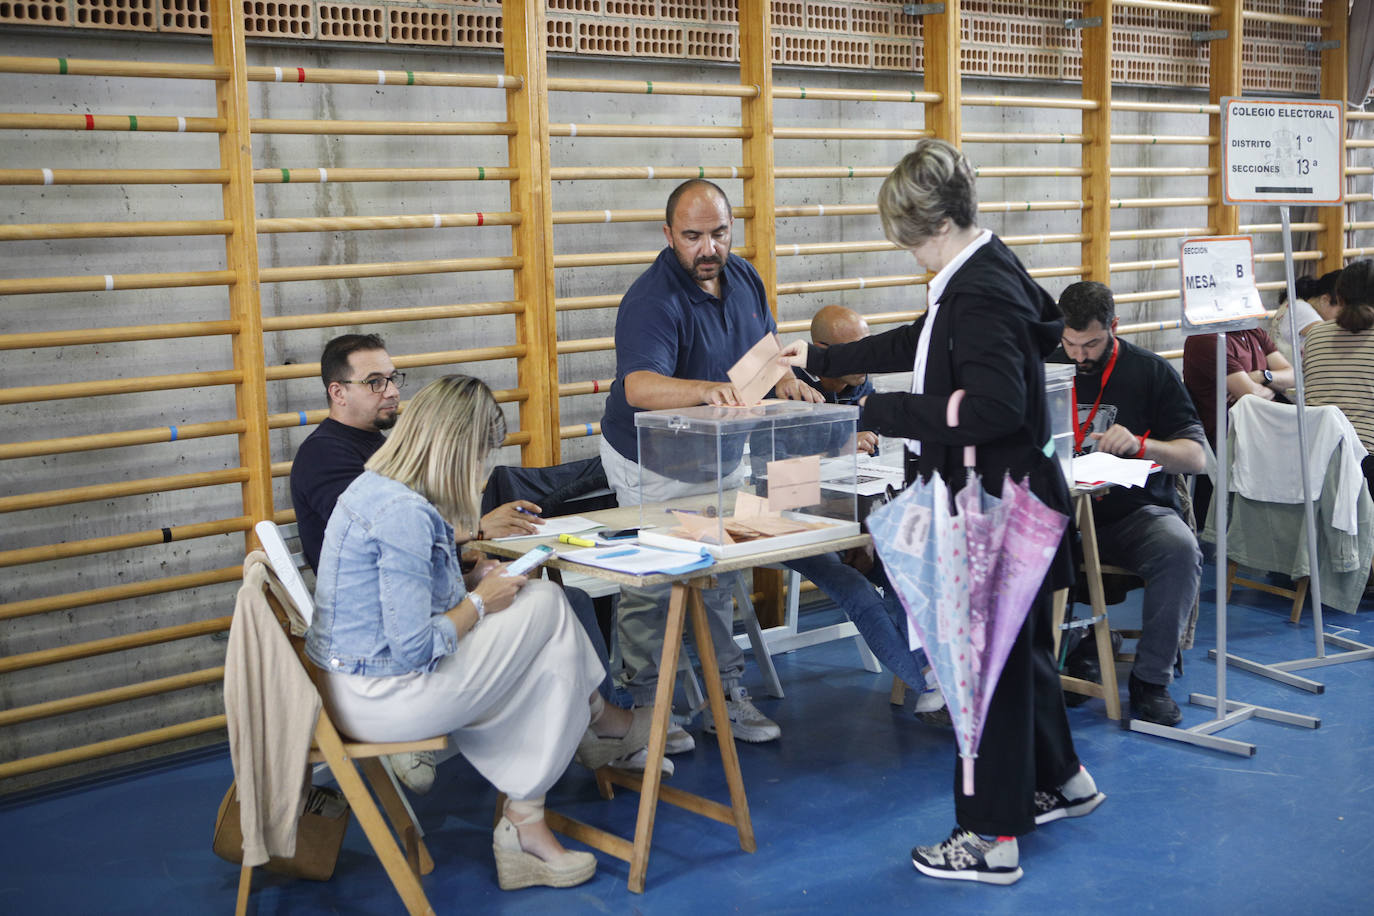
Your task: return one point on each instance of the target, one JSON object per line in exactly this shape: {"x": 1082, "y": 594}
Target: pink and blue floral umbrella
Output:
{"x": 966, "y": 571}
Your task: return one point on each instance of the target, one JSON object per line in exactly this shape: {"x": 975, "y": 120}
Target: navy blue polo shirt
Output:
{"x": 669, "y": 325}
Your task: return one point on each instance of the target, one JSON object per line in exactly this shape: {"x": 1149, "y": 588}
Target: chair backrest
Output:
{"x": 274, "y": 544}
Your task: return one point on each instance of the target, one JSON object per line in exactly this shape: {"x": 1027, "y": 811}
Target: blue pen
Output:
{"x": 628, "y": 552}
{"x": 526, "y": 511}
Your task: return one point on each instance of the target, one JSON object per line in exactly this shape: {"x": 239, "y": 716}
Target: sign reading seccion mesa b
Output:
{"x": 1281, "y": 151}
{"x": 1218, "y": 284}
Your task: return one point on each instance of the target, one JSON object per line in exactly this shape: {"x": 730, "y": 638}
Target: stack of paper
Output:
{"x": 1097, "y": 468}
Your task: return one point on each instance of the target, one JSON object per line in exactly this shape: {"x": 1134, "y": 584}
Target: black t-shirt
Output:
{"x": 1144, "y": 394}
{"x": 326, "y": 463}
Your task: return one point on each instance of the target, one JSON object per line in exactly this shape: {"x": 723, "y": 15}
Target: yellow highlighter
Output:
{"x": 575, "y": 540}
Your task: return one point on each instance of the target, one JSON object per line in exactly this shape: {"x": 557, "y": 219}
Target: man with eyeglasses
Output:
{"x": 363, "y": 388}
{"x": 364, "y": 391}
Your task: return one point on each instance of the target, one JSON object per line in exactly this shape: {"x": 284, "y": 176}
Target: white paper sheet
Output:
{"x": 553, "y": 527}
{"x": 1100, "y": 467}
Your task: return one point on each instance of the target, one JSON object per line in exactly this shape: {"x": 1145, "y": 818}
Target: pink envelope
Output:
{"x": 794, "y": 482}
{"x": 749, "y": 506}
{"x": 758, "y": 370}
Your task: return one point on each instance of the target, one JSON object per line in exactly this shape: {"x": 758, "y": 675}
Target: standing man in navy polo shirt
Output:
{"x": 681, "y": 326}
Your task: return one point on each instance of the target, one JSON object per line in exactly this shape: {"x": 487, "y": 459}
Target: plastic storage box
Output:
{"x": 1059, "y": 401}
{"x": 736, "y": 481}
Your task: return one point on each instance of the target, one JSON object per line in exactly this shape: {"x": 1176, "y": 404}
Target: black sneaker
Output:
{"x": 1075, "y": 798}
{"x": 1152, "y": 703}
{"x": 966, "y": 856}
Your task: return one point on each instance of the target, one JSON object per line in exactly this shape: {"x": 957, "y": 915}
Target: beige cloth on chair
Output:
{"x": 271, "y": 707}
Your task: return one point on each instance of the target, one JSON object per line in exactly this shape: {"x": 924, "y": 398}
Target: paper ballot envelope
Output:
{"x": 794, "y": 482}
{"x": 758, "y": 370}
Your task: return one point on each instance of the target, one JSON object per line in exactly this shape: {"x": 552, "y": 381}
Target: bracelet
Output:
{"x": 1141, "y": 453}
{"x": 478, "y": 605}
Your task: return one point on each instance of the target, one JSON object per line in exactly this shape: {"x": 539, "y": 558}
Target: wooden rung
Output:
{"x": 131, "y": 385}
{"x": 673, "y": 796}
{"x": 75, "y": 66}
{"x": 1079, "y": 685}
{"x": 64, "y": 602}
{"x": 591, "y": 836}
{"x": 335, "y": 176}
{"x": 363, "y": 749}
{"x": 1267, "y": 587}
{"x": 321, "y": 126}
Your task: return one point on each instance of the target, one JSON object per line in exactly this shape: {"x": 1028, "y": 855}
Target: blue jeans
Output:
{"x": 1159, "y": 547}
{"x": 879, "y": 618}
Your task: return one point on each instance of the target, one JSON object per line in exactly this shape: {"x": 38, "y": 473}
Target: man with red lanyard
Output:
{"x": 1131, "y": 403}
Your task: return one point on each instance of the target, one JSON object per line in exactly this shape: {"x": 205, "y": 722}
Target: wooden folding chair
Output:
{"x": 1298, "y": 592}
{"x": 340, "y": 754}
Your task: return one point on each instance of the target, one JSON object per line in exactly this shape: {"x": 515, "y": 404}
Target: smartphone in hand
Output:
{"x": 529, "y": 561}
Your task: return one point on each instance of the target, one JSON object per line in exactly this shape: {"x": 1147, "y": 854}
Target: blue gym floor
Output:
{"x": 836, "y": 804}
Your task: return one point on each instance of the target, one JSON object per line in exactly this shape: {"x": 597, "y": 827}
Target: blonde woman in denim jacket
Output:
{"x": 414, "y": 649}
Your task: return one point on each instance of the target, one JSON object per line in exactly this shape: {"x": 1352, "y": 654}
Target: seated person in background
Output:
{"x": 411, "y": 648}
{"x": 850, "y": 580}
{"x": 1314, "y": 305}
{"x": 1253, "y": 366}
{"x": 364, "y": 392}
{"x": 831, "y": 325}
{"x": 1338, "y": 361}
{"x": 1131, "y": 403}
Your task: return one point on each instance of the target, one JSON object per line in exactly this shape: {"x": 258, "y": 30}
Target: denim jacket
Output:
{"x": 388, "y": 572}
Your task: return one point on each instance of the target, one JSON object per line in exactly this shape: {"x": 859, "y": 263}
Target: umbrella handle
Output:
{"x": 968, "y": 775}
{"x": 952, "y": 421}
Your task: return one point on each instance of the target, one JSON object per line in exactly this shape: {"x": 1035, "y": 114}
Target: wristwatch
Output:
{"x": 1268, "y": 377}
{"x": 478, "y": 604}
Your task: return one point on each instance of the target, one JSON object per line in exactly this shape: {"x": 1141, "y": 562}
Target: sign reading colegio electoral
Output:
{"x": 1281, "y": 151}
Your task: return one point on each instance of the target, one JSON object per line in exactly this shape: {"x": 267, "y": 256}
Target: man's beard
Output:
{"x": 1094, "y": 366}
{"x": 698, "y": 273}
{"x": 384, "y": 422}
{"x": 693, "y": 267}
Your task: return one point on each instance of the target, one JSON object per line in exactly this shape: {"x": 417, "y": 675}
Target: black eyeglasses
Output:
{"x": 378, "y": 385}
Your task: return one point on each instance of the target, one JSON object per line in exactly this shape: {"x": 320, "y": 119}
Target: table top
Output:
{"x": 628, "y": 517}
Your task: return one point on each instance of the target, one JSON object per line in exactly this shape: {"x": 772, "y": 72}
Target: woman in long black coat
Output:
{"x": 977, "y": 363}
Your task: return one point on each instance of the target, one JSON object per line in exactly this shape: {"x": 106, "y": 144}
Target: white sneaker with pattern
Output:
{"x": 966, "y": 856}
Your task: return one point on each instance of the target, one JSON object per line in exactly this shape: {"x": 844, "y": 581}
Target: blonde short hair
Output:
{"x": 440, "y": 445}
{"x": 932, "y": 183}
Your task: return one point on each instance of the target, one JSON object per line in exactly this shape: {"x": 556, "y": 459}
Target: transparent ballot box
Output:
{"x": 1059, "y": 402}
{"x": 736, "y": 481}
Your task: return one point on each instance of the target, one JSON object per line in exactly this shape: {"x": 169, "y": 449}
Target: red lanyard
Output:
{"x": 1080, "y": 431}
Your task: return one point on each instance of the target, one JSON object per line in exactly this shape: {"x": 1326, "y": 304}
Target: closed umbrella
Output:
{"x": 966, "y": 573}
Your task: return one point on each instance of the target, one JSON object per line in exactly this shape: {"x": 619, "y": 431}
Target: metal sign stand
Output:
{"x": 1229, "y": 712}
{"x": 1355, "y": 651}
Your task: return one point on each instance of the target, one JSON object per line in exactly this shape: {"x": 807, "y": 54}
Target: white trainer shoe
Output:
{"x": 415, "y": 770}
{"x": 747, "y": 723}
